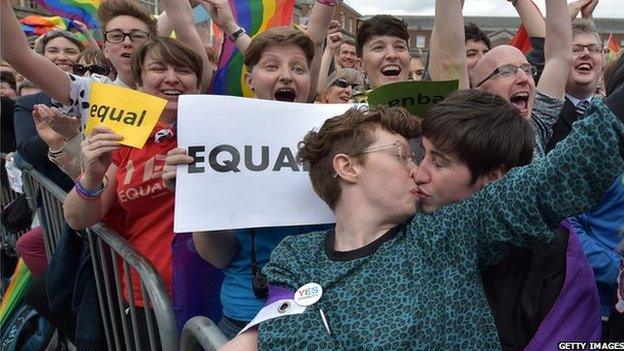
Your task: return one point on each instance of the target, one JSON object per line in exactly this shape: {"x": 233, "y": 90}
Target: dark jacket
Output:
{"x": 7, "y": 143}
{"x": 563, "y": 126}
{"x": 70, "y": 286}
{"x": 30, "y": 146}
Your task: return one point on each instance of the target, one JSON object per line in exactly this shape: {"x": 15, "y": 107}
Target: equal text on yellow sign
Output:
{"x": 127, "y": 112}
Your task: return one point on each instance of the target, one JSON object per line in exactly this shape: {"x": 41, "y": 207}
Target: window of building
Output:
{"x": 30, "y": 4}
{"x": 420, "y": 41}
{"x": 151, "y": 5}
{"x": 343, "y": 22}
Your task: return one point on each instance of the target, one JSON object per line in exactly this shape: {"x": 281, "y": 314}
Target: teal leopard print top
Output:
{"x": 419, "y": 287}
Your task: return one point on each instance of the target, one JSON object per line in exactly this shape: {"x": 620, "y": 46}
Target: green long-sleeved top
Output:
{"x": 418, "y": 287}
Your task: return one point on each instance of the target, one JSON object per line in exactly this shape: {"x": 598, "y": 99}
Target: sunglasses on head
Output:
{"x": 80, "y": 70}
{"x": 343, "y": 83}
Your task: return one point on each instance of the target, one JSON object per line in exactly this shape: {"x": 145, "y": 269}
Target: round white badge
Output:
{"x": 308, "y": 294}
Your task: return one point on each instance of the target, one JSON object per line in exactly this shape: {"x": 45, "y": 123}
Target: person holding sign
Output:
{"x": 383, "y": 44}
{"x": 125, "y": 24}
{"x": 412, "y": 280}
{"x": 130, "y": 176}
{"x": 278, "y": 61}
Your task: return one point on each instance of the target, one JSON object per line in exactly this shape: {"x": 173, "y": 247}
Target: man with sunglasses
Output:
{"x": 505, "y": 71}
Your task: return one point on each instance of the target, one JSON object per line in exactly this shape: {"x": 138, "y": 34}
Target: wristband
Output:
{"x": 237, "y": 34}
{"x": 88, "y": 194}
{"x": 328, "y": 2}
{"x": 513, "y": 2}
{"x": 52, "y": 155}
{"x": 55, "y": 153}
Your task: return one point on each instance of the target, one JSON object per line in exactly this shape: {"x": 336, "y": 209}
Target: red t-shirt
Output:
{"x": 148, "y": 205}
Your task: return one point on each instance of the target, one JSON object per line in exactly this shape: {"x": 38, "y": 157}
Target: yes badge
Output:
{"x": 308, "y": 294}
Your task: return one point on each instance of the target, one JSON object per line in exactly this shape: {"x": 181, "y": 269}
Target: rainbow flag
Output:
{"x": 15, "y": 292}
{"x": 255, "y": 16}
{"x": 81, "y": 10}
{"x": 38, "y": 25}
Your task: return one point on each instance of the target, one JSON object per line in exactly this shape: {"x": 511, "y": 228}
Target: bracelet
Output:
{"x": 55, "y": 153}
{"x": 328, "y": 2}
{"x": 237, "y": 34}
{"x": 88, "y": 194}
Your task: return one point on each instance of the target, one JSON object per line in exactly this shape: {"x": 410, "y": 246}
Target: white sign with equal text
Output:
{"x": 245, "y": 173}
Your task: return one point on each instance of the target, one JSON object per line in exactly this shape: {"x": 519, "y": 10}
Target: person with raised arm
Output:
{"x": 505, "y": 71}
{"x": 278, "y": 65}
{"x": 117, "y": 178}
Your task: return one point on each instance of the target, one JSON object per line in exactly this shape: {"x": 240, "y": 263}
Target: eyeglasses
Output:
{"x": 408, "y": 159}
{"x": 80, "y": 70}
{"x": 510, "y": 70}
{"x": 343, "y": 83}
{"x": 592, "y": 48}
{"x": 116, "y": 36}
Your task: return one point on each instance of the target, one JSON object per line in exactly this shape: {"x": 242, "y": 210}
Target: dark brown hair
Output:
{"x": 110, "y": 9}
{"x": 169, "y": 51}
{"x": 9, "y": 78}
{"x": 380, "y": 25}
{"x": 481, "y": 129}
{"x": 474, "y": 33}
{"x": 278, "y": 36}
{"x": 349, "y": 134}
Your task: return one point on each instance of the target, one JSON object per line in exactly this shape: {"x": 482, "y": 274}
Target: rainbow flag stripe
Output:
{"x": 255, "y": 16}
{"x": 38, "y": 25}
{"x": 81, "y": 10}
{"x": 15, "y": 291}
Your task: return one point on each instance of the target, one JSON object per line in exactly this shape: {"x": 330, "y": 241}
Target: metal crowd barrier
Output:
{"x": 203, "y": 332}
{"x": 108, "y": 249}
{"x": 109, "y": 253}
{"x": 46, "y": 196}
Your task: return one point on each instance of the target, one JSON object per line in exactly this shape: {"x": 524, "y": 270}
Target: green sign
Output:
{"x": 416, "y": 96}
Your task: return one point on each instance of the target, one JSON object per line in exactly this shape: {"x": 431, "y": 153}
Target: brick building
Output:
{"x": 345, "y": 14}
{"x": 500, "y": 30}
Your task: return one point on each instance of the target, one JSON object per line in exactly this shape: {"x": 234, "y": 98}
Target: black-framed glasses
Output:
{"x": 508, "y": 71}
{"x": 80, "y": 70}
{"x": 117, "y": 36}
{"x": 592, "y": 48}
{"x": 343, "y": 83}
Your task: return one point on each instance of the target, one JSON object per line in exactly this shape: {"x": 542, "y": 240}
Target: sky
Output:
{"x": 605, "y": 8}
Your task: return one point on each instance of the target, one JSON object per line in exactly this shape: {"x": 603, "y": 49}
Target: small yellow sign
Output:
{"x": 127, "y": 112}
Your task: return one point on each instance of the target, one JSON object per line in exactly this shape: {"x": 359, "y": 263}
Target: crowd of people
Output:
{"x": 493, "y": 221}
